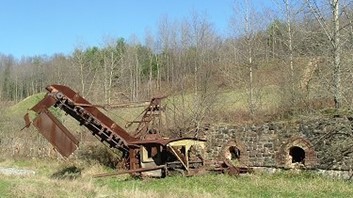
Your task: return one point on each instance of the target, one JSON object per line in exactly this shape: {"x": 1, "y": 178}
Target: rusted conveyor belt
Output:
{"x": 84, "y": 112}
{"x": 145, "y": 153}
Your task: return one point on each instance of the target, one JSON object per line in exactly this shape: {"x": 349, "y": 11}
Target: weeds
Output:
{"x": 283, "y": 184}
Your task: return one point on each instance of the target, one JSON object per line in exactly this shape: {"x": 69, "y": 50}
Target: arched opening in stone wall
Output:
{"x": 234, "y": 153}
{"x": 297, "y": 154}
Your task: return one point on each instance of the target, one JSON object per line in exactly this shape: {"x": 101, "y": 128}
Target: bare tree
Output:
{"x": 336, "y": 53}
{"x": 113, "y": 54}
{"x": 133, "y": 65}
{"x": 332, "y": 33}
{"x": 246, "y": 27}
{"x": 87, "y": 63}
{"x": 290, "y": 40}
{"x": 150, "y": 44}
{"x": 288, "y": 10}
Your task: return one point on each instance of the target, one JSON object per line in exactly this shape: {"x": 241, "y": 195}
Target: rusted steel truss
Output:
{"x": 150, "y": 123}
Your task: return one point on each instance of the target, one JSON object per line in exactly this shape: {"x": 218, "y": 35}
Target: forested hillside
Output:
{"x": 298, "y": 56}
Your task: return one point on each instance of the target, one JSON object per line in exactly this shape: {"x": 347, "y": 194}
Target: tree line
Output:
{"x": 304, "y": 48}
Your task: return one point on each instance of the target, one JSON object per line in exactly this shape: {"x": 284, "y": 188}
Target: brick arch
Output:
{"x": 243, "y": 157}
{"x": 283, "y": 158}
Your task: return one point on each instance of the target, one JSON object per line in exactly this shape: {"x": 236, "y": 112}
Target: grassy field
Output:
{"x": 43, "y": 184}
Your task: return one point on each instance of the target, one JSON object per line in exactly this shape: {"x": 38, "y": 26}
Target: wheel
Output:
{"x": 59, "y": 95}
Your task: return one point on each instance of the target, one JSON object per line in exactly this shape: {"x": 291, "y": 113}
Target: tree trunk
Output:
{"x": 290, "y": 45}
{"x": 336, "y": 55}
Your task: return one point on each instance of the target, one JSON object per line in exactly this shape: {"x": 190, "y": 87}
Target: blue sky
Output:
{"x": 37, "y": 27}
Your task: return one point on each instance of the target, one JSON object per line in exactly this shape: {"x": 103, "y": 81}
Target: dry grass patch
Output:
{"x": 45, "y": 187}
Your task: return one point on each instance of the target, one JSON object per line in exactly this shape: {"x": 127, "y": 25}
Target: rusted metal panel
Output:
{"x": 27, "y": 120}
{"x": 45, "y": 103}
{"x": 134, "y": 161}
{"x": 56, "y": 133}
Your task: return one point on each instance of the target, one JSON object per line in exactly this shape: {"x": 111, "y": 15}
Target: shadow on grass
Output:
{"x": 71, "y": 172}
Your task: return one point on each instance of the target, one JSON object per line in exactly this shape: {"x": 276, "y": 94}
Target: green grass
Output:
{"x": 283, "y": 184}
{"x": 22, "y": 107}
{"x": 266, "y": 98}
{"x": 278, "y": 185}
{"x": 5, "y": 186}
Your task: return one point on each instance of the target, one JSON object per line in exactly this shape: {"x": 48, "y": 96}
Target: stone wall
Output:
{"x": 311, "y": 143}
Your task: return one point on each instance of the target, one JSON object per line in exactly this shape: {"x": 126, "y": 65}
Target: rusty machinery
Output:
{"x": 144, "y": 153}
